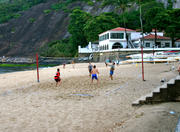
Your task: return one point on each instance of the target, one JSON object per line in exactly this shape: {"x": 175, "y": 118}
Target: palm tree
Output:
{"x": 120, "y": 4}
{"x": 123, "y": 4}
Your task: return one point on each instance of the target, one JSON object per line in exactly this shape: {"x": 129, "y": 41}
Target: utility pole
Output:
{"x": 37, "y": 64}
{"x": 142, "y": 44}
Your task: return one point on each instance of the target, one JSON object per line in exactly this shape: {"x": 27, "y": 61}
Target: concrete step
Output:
{"x": 160, "y": 94}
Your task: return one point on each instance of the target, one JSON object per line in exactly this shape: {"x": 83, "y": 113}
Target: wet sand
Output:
{"x": 79, "y": 106}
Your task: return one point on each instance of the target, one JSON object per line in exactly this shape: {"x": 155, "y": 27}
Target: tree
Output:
{"x": 151, "y": 13}
{"x": 99, "y": 24}
{"x": 78, "y": 19}
{"x": 120, "y": 4}
{"x": 131, "y": 19}
{"x": 172, "y": 25}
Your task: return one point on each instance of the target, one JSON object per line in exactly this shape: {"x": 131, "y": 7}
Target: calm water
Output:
{"x": 14, "y": 69}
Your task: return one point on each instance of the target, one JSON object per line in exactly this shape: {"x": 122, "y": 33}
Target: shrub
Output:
{"x": 32, "y": 20}
{"x": 47, "y": 11}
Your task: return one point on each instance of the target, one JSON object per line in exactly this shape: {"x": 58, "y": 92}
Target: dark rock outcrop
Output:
{"x": 25, "y": 36}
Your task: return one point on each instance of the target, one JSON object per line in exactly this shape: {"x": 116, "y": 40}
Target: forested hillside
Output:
{"x": 57, "y": 27}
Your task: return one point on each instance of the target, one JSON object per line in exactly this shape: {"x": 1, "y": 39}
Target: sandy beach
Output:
{"x": 79, "y": 106}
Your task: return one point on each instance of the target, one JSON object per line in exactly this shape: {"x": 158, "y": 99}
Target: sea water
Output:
{"x": 14, "y": 69}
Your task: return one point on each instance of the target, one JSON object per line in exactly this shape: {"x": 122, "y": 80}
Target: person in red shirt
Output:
{"x": 57, "y": 77}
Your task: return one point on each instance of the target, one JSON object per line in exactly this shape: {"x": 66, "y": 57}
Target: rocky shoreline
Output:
{"x": 30, "y": 60}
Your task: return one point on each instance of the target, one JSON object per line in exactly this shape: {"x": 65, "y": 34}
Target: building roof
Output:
{"x": 152, "y": 36}
{"x": 119, "y": 29}
{"x": 122, "y": 29}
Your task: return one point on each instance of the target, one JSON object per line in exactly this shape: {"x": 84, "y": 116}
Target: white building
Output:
{"x": 115, "y": 38}
{"x": 162, "y": 42}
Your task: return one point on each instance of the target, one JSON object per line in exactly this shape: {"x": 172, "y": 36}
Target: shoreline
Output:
{"x": 32, "y": 60}
{"x": 11, "y": 68}
{"x": 101, "y": 108}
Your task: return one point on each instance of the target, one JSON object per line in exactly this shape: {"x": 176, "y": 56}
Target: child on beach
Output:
{"x": 90, "y": 68}
{"x": 112, "y": 68}
{"x": 57, "y": 77}
{"x": 94, "y": 73}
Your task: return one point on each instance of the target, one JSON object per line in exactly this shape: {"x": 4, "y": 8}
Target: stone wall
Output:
{"x": 112, "y": 56}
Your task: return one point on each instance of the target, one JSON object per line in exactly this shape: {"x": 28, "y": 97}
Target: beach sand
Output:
{"x": 79, "y": 106}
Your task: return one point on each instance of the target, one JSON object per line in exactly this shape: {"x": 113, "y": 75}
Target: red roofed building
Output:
{"x": 115, "y": 39}
{"x": 162, "y": 42}
{"x": 152, "y": 36}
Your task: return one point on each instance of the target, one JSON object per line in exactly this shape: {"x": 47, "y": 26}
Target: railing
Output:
{"x": 131, "y": 44}
{"x": 139, "y": 49}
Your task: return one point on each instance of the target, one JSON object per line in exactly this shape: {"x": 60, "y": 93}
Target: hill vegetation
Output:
{"x": 9, "y": 8}
{"x": 84, "y": 26}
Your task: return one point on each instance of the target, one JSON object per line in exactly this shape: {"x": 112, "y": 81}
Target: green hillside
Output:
{"x": 85, "y": 27}
{"x": 9, "y": 8}
{"x": 57, "y": 27}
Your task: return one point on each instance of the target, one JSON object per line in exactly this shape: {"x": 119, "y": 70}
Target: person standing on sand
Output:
{"x": 57, "y": 77}
{"x": 64, "y": 65}
{"x": 106, "y": 64}
{"x": 90, "y": 68}
{"x": 112, "y": 68}
{"x": 73, "y": 64}
{"x": 94, "y": 73}
{"x": 179, "y": 69}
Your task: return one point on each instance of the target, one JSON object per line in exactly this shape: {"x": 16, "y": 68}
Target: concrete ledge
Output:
{"x": 169, "y": 91}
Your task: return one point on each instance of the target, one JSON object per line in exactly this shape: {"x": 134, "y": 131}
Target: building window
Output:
{"x": 107, "y": 35}
{"x": 117, "y": 35}
{"x": 147, "y": 44}
{"x": 167, "y": 44}
{"x": 104, "y": 37}
{"x": 107, "y": 47}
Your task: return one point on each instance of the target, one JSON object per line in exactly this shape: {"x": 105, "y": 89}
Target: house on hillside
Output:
{"x": 115, "y": 39}
{"x": 162, "y": 42}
